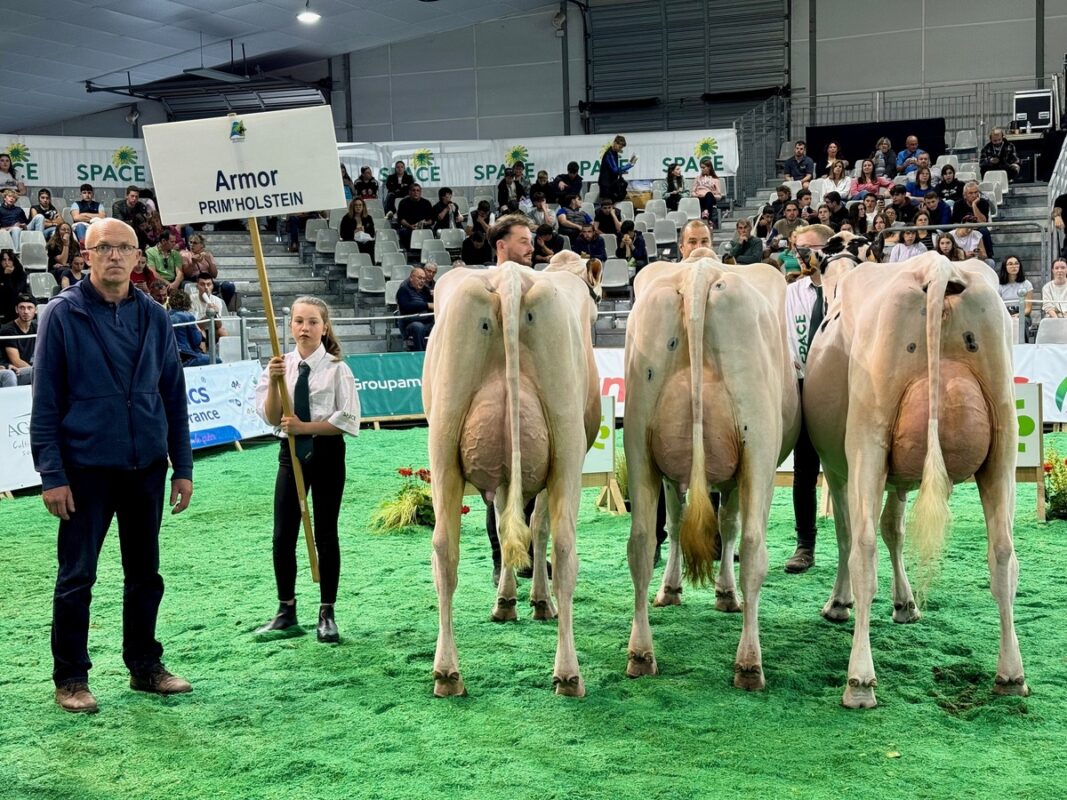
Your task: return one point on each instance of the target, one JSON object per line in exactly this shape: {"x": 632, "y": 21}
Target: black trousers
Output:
{"x": 324, "y": 478}
{"x": 136, "y": 498}
{"x": 805, "y": 481}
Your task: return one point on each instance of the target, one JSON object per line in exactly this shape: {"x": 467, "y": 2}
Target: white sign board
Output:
{"x": 601, "y": 456}
{"x": 16, "y": 463}
{"x": 1028, "y": 411}
{"x": 278, "y": 162}
{"x": 222, "y": 403}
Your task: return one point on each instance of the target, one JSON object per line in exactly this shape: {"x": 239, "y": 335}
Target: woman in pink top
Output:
{"x": 868, "y": 182}
{"x": 708, "y": 189}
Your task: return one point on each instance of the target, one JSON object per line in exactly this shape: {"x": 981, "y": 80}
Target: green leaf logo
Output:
{"x": 517, "y": 152}
{"x": 422, "y": 158}
{"x": 124, "y": 157}
{"x": 706, "y": 148}
{"x": 1061, "y": 393}
{"x": 19, "y": 153}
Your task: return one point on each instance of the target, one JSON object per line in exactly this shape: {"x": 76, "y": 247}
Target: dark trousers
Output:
{"x": 805, "y": 480}
{"x": 136, "y": 498}
{"x": 419, "y": 331}
{"x": 710, "y": 205}
{"x": 324, "y": 477}
{"x": 490, "y": 528}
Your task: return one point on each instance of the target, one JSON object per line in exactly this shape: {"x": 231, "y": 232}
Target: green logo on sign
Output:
{"x": 19, "y": 153}
{"x": 124, "y": 157}
{"x": 706, "y": 148}
{"x": 516, "y": 152}
{"x": 422, "y": 158}
{"x": 1061, "y": 393}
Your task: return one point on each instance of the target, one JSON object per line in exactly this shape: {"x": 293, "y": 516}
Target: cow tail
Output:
{"x": 931, "y": 516}
{"x": 700, "y": 524}
{"x": 514, "y": 532}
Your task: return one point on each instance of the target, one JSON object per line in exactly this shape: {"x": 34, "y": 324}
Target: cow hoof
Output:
{"x": 905, "y": 613}
{"x": 572, "y": 686}
{"x": 448, "y": 684}
{"x": 668, "y": 596}
{"x": 543, "y": 609}
{"x": 749, "y": 678}
{"x": 727, "y": 601}
{"x": 836, "y": 611}
{"x": 1013, "y": 687}
{"x": 859, "y": 694}
{"x": 504, "y": 610}
{"x": 638, "y": 664}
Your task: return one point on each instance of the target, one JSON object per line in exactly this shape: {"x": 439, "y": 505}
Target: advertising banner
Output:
{"x": 222, "y": 403}
{"x": 62, "y": 161}
{"x": 389, "y": 384}
{"x": 16, "y": 463}
{"x": 601, "y": 456}
{"x": 277, "y": 162}
{"x": 1045, "y": 364}
{"x": 612, "y": 369}
{"x": 482, "y": 162}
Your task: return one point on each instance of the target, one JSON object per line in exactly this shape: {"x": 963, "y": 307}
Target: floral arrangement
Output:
{"x": 1055, "y": 485}
{"x": 412, "y": 505}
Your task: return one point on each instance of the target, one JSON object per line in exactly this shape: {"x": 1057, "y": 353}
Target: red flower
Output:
{"x": 1048, "y": 468}
{"x": 465, "y": 510}
{"x": 405, "y": 472}
{"x": 424, "y": 475}
{"x": 1065, "y": 462}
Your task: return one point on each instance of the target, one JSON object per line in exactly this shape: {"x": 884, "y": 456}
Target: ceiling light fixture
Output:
{"x": 307, "y": 16}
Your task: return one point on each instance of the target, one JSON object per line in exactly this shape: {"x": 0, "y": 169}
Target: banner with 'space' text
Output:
{"x": 68, "y": 161}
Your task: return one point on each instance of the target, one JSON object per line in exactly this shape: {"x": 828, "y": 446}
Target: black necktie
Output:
{"x": 816, "y": 315}
{"x": 302, "y": 409}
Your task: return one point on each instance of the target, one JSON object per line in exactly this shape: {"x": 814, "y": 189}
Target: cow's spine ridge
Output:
{"x": 514, "y": 532}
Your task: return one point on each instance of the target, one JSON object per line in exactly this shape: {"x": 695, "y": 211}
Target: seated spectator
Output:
{"x": 838, "y": 211}
{"x": 480, "y": 219}
{"x": 922, "y": 181}
{"x": 590, "y": 243}
{"x": 72, "y": 274}
{"x": 882, "y": 236}
{"x": 143, "y": 276}
{"x": 707, "y": 188}
{"x": 413, "y": 213}
{"x": 8, "y": 178}
{"x": 569, "y": 183}
{"x": 765, "y": 226}
{"x": 366, "y": 188}
{"x": 198, "y": 260}
{"x": 884, "y": 159}
{"x": 906, "y": 248}
{"x": 998, "y": 153}
{"x": 970, "y": 243}
{"x": 541, "y": 214}
{"x": 16, "y": 355}
{"x": 789, "y": 222}
{"x": 839, "y": 181}
{"x": 158, "y": 291}
{"x": 1054, "y": 293}
{"x": 1015, "y": 289}
{"x": 446, "y": 213}
{"x": 800, "y": 167}
{"x": 608, "y": 218}
{"x": 62, "y": 247}
{"x": 546, "y": 244}
{"x": 413, "y": 298}
{"x": 862, "y": 214}
{"x": 357, "y": 225}
{"x": 347, "y": 182}
{"x": 187, "y": 336}
{"x": 205, "y": 304}
{"x": 13, "y": 283}
{"x": 134, "y": 213}
{"x": 509, "y": 193}
{"x": 85, "y": 211}
{"x": 972, "y": 204}
{"x": 808, "y": 214}
{"x": 518, "y": 169}
{"x": 545, "y": 187}
{"x": 946, "y": 246}
{"x": 12, "y": 217}
{"x": 949, "y": 188}
{"x": 784, "y": 195}
{"x": 904, "y": 209}
{"x": 745, "y": 248}
{"x": 822, "y": 216}
{"x": 788, "y": 259}
{"x": 833, "y": 156}
{"x": 430, "y": 268}
{"x": 571, "y": 218}
{"x": 938, "y": 210}
{"x": 908, "y": 158}
{"x": 925, "y": 238}
{"x": 44, "y": 216}
{"x": 631, "y": 245}
{"x": 397, "y": 186}
{"x": 165, "y": 260}
{"x": 868, "y": 182}
{"x": 476, "y": 249}
{"x": 676, "y": 188}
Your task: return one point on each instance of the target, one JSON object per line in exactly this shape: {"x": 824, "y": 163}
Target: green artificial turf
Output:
{"x": 294, "y": 718}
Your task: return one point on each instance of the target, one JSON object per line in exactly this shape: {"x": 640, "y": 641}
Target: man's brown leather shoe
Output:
{"x": 801, "y": 561}
{"x": 76, "y": 698}
{"x": 159, "y": 681}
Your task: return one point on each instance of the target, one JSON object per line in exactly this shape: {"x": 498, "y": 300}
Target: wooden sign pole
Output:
{"x": 276, "y": 348}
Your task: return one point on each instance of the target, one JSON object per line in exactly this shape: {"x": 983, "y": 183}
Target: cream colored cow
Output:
{"x": 909, "y": 383}
{"x": 511, "y": 360}
{"x": 721, "y": 329}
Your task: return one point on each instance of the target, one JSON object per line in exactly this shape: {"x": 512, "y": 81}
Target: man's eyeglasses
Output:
{"x": 105, "y": 250}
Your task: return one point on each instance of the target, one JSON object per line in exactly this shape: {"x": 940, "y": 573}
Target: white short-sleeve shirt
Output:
{"x": 331, "y": 386}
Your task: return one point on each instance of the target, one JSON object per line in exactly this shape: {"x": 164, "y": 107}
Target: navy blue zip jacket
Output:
{"x": 83, "y": 413}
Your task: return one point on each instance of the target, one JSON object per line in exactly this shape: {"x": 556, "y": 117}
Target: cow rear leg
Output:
{"x": 447, "y": 499}
{"x": 563, "y": 499}
{"x": 904, "y": 608}
{"x": 755, "y": 503}
{"x": 539, "y": 596}
{"x": 640, "y": 553}
{"x": 506, "y": 591}
{"x": 729, "y": 526}
{"x": 997, "y": 491}
{"x": 670, "y": 591}
{"x": 838, "y": 607}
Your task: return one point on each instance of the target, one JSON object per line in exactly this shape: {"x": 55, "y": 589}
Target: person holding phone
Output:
{"x": 613, "y": 168}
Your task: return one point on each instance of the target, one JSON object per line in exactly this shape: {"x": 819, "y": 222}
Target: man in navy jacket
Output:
{"x": 109, "y": 407}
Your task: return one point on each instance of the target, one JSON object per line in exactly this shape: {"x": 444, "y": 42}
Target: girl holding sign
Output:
{"x": 325, "y": 406}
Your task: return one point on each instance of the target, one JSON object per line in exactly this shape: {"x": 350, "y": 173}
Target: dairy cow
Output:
{"x": 511, "y": 392}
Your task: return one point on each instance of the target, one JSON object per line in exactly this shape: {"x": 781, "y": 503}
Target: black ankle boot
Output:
{"x": 327, "y": 630}
{"x": 285, "y": 618}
